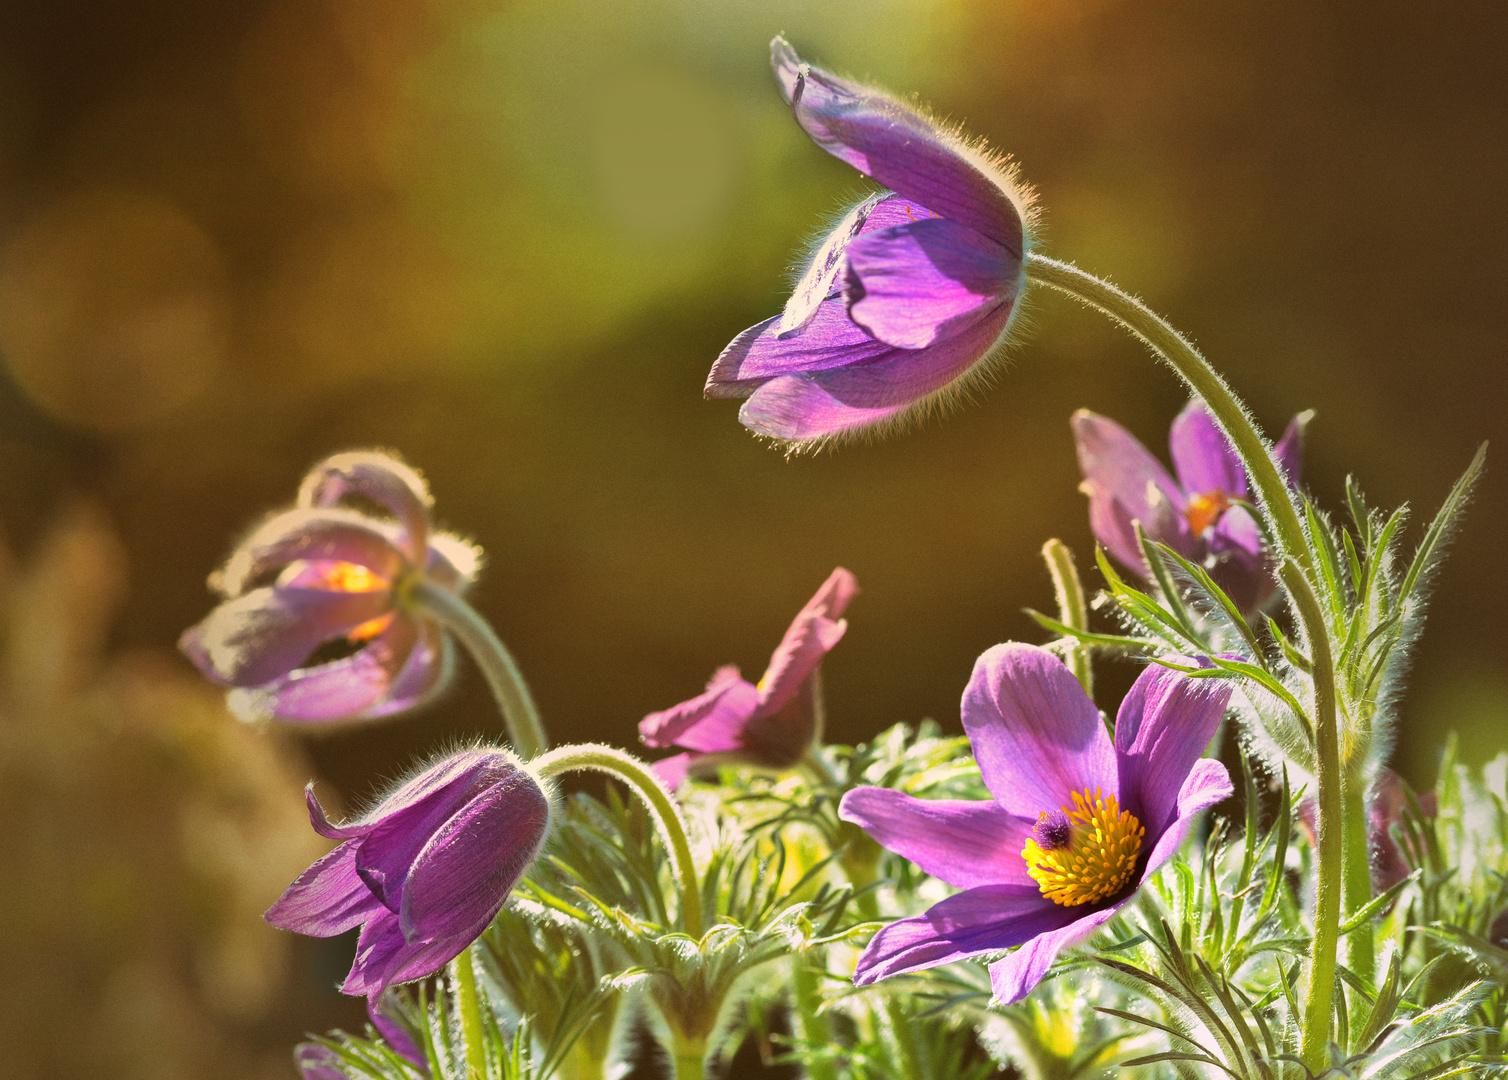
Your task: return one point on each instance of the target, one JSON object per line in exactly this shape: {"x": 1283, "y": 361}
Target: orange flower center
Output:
{"x": 1204, "y": 510}
{"x": 1090, "y": 850}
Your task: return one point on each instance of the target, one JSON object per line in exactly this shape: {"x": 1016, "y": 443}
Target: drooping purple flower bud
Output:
{"x": 425, "y": 871}
{"x": 382, "y": 1012}
{"x": 1198, "y": 514}
{"x": 1111, "y": 810}
{"x": 1386, "y": 803}
{"x": 907, "y": 296}
{"x": 771, "y": 724}
{"x": 316, "y": 625}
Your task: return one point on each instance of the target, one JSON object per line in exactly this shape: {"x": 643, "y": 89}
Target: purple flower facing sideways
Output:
{"x": 315, "y": 625}
{"x": 1077, "y": 821}
{"x": 425, "y": 871}
{"x": 771, "y": 724}
{"x": 911, "y": 290}
{"x": 1197, "y": 515}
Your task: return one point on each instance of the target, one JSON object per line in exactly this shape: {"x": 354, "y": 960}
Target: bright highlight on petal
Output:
{"x": 1096, "y": 862}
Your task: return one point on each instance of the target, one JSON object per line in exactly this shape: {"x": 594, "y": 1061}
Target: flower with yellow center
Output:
{"x": 1045, "y": 880}
{"x": 1083, "y": 855}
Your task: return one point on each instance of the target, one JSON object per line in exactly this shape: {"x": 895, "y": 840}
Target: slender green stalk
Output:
{"x": 816, "y": 1033}
{"x": 1072, "y": 611}
{"x": 1357, "y": 893}
{"x": 688, "y": 1059}
{"x": 646, "y": 785}
{"x": 471, "y": 1016}
{"x": 1181, "y": 355}
{"x": 525, "y": 730}
{"x": 1329, "y": 848}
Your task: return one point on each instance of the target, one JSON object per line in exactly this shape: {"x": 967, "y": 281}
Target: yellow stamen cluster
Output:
{"x": 350, "y": 577}
{"x": 1204, "y": 510}
{"x": 1099, "y": 857}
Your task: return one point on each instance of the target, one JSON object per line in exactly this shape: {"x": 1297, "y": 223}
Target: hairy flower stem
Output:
{"x": 688, "y": 1059}
{"x": 471, "y": 1015}
{"x": 525, "y": 730}
{"x": 1357, "y": 893}
{"x": 1072, "y": 611}
{"x": 1329, "y": 823}
{"x": 816, "y": 1033}
{"x": 1181, "y": 355}
{"x": 646, "y": 785}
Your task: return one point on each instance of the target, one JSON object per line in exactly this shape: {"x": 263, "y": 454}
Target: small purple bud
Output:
{"x": 1052, "y": 830}
{"x": 315, "y": 1061}
{"x": 423, "y": 873}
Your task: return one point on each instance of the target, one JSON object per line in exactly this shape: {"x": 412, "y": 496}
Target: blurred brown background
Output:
{"x": 508, "y": 240}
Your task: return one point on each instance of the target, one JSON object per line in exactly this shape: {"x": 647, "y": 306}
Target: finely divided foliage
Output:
{"x": 1224, "y": 880}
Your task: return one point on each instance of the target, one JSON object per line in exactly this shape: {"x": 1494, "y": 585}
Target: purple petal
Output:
{"x": 395, "y": 671}
{"x": 710, "y": 722}
{"x": 762, "y": 352}
{"x": 1013, "y": 977}
{"x": 810, "y": 406}
{"x": 315, "y": 1061}
{"x": 916, "y": 283}
{"x": 810, "y": 637}
{"x": 980, "y": 920}
{"x": 1124, "y": 484}
{"x": 819, "y": 281}
{"x": 1165, "y": 723}
{"x": 472, "y": 861}
{"x": 452, "y": 562}
{"x": 1239, "y": 562}
{"x": 402, "y": 824}
{"x": 1203, "y": 456}
{"x": 327, "y": 899}
{"x": 1208, "y": 783}
{"x": 333, "y": 535}
{"x": 383, "y": 957}
{"x": 1289, "y": 452}
{"x": 269, "y": 632}
{"x": 1037, "y": 736}
{"x": 377, "y": 478}
{"x": 964, "y": 843}
{"x": 896, "y": 147}
{"x": 673, "y": 771}
{"x": 394, "y": 1032}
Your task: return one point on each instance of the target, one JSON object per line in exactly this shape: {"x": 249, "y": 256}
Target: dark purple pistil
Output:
{"x": 1052, "y": 830}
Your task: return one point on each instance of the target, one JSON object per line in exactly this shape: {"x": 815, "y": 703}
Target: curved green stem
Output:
{"x": 1181, "y": 355}
{"x": 646, "y": 785}
{"x": 525, "y": 730}
{"x": 471, "y": 1015}
{"x": 1329, "y": 848}
{"x": 1072, "y": 611}
{"x": 688, "y": 1059}
{"x": 1360, "y": 945}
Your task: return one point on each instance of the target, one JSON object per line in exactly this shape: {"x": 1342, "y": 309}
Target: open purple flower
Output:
{"x": 1199, "y": 514}
{"x": 315, "y": 624}
{"x": 425, "y": 871}
{"x": 1076, "y": 825}
{"x": 771, "y": 724}
{"x": 912, "y": 289}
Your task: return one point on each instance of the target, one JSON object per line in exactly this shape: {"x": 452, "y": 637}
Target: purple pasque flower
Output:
{"x": 1199, "y": 514}
{"x": 425, "y": 871}
{"x": 772, "y": 723}
{"x": 315, "y": 624}
{"x": 316, "y": 1061}
{"x": 1388, "y": 853}
{"x": 1077, "y": 821}
{"x": 911, "y": 290}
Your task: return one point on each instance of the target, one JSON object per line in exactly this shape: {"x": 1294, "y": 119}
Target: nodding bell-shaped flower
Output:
{"x": 1077, "y": 821}
{"x": 425, "y": 871}
{"x": 316, "y": 624}
{"x": 772, "y": 724}
{"x": 1199, "y": 514}
{"x": 910, "y": 292}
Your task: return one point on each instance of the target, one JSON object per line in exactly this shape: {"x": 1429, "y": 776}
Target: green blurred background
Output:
{"x": 508, "y": 240}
